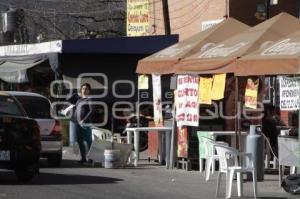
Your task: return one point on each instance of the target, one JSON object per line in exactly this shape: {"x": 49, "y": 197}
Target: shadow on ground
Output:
{"x": 248, "y": 197}
{"x": 74, "y": 164}
{"x": 8, "y": 178}
{"x": 272, "y": 198}
{"x": 68, "y": 164}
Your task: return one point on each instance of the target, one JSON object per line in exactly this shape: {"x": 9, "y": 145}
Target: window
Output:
{"x": 8, "y": 106}
{"x": 35, "y": 107}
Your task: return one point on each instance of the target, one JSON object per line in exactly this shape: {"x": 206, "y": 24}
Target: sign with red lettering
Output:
{"x": 187, "y": 111}
{"x": 137, "y": 18}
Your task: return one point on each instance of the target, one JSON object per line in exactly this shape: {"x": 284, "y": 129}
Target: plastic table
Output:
{"x": 136, "y": 133}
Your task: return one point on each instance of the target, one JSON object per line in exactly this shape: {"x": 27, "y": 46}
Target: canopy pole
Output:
{"x": 239, "y": 108}
{"x": 173, "y": 148}
{"x": 138, "y": 109}
{"x": 166, "y": 15}
{"x": 236, "y": 120}
{"x": 267, "y": 4}
{"x": 173, "y": 137}
{"x": 298, "y": 79}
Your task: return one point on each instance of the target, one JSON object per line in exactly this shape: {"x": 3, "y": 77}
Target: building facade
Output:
{"x": 46, "y": 20}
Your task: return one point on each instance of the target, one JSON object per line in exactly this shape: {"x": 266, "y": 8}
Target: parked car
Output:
{"x": 38, "y": 107}
{"x": 20, "y": 144}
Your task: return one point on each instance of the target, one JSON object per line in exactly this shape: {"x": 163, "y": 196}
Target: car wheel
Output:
{"x": 25, "y": 174}
{"x": 54, "y": 160}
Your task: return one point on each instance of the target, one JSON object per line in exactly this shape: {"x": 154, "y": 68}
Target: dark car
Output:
{"x": 38, "y": 108}
{"x": 20, "y": 144}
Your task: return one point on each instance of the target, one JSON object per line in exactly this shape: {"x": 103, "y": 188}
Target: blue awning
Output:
{"x": 121, "y": 45}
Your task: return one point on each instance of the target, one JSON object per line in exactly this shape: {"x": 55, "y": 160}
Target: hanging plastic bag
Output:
{"x": 67, "y": 111}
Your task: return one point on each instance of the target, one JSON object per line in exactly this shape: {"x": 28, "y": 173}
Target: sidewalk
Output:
{"x": 180, "y": 183}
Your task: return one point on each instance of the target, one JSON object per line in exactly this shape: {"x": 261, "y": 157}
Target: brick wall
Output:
{"x": 187, "y": 16}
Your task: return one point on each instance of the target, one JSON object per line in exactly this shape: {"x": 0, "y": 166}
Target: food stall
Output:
{"x": 214, "y": 62}
{"x": 280, "y": 59}
{"x": 221, "y": 58}
{"x": 163, "y": 61}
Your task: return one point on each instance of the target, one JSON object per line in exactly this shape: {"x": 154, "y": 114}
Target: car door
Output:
{"x": 38, "y": 108}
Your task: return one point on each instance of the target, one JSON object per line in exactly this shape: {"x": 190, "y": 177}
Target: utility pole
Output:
{"x": 267, "y": 4}
{"x": 166, "y": 17}
{"x": 298, "y": 10}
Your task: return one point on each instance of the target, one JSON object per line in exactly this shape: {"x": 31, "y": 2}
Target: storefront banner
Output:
{"x": 187, "y": 107}
{"x": 205, "y": 85}
{"x": 289, "y": 93}
{"x": 137, "y": 17}
{"x": 182, "y": 142}
{"x": 31, "y": 49}
{"x": 157, "y": 104}
{"x": 251, "y": 93}
{"x": 143, "y": 82}
{"x": 218, "y": 87}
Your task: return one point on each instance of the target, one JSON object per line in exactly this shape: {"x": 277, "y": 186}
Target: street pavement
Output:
{"x": 149, "y": 181}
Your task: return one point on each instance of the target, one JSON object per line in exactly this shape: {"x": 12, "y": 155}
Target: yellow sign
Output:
{"x": 251, "y": 94}
{"x": 137, "y": 17}
{"x": 218, "y": 86}
{"x": 205, "y": 94}
{"x": 143, "y": 82}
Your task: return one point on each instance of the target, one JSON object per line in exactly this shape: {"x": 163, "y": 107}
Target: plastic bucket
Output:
{"x": 111, "y": 158}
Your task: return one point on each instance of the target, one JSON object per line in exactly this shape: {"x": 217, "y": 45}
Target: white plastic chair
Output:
{"x": 211, "y": 156}
{"x": 229, "y": 165}
{"x": 101, "y": 134}
{"x": 107, "y": 135}
{"x": 204, "y": 155}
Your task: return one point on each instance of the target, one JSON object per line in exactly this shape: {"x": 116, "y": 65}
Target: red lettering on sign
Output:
{"x": 195, "y": 119}
{"x": 181, "y": 117}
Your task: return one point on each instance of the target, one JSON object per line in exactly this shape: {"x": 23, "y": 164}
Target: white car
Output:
{"x": 38, "y": 108}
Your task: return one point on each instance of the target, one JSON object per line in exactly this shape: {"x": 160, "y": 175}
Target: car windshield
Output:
{"x": 35, "y": 107}
{"x": 8, "y": 106}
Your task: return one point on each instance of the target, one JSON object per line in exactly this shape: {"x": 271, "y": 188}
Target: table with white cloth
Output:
{"x": 136, "y": 133}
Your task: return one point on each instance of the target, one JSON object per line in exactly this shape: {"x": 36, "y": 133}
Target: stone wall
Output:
{"x": 71, "y": 19}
